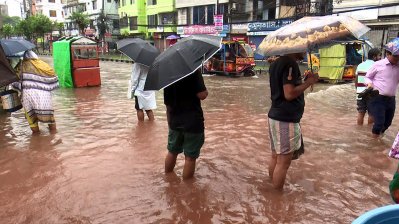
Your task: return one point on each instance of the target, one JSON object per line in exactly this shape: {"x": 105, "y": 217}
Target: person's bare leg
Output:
{"x": 35, "y": 130}
{"x": 140, "y": 115}
{"x": 375, "y": 135}
{"x": 189, "y": 168}
{"x": 52, "y": 127}
{"x": 170, "y": 162}
{"x": 150, "y": 115}
{"x": 360, "y": 118}
{"x": 280, "y": 172}
{"x": 272, "y": 164}
{"x": 370, "y": 119}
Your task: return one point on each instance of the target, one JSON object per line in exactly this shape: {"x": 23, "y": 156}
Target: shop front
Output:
{"x": 256, "y": 32}
{"x": 161, "y": 40}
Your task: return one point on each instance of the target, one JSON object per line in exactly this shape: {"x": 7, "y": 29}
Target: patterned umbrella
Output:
{"x": 311, "y": 33}
{"x": 393, "y": 46}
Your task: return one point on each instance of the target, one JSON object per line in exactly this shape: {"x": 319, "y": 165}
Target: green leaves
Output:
{"x": 81, "y": 19}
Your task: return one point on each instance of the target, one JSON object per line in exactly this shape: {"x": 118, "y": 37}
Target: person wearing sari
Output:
{"x": 37, "y": 81}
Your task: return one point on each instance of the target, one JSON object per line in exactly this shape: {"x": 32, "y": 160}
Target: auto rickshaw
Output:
{"x": 333, "y": 64}
{"x": 76, "y": 62}
{"x": 236, "y": 58}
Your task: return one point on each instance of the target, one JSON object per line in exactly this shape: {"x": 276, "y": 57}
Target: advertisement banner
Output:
{"x": 218, "y": 22}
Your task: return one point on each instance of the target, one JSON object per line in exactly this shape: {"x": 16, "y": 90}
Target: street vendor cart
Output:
{"x": 76, "y": 62}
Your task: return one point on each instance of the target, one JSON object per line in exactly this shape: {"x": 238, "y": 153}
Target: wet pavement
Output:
{"x": 103, "y": 167}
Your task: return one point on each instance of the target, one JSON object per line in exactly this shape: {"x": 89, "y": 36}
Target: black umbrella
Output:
{"x": 181, "y": 60}
{"x": 140, "y": 51}
{"x": 14, "y": 46}
{"x": 7, "y": 74}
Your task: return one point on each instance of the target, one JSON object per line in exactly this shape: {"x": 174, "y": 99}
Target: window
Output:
{"x": 152, "y": 20}
{"x": 210, "y": 10}
{"x": 151, "y": 2}
{"x": 94, "y": 3}
{"x": 53, "y": 13}
{"x": 133, "y": 23}
{"x": 109, "y": 1}
{"x": 168, "y": 18}
{"x": 123, "y": 2}
{"x": 199, "y": 15}
{"x": 115, "y": 23}
{"x": 132, "y": 2}
{"x": 123, "y": 22}
{"x": 51, "y": 1}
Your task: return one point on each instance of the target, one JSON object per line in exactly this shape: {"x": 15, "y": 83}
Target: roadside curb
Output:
{"x": 101, "y": 59}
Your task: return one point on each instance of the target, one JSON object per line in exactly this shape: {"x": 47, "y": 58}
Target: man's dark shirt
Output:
{"x": 282, "y": 109}
{"x": 183, "y": 106}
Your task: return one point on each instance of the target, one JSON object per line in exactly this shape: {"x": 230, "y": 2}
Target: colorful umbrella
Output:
{"x": 310, "y": 33}
{"x": 393, "y": 46}
{"x": 172, "y": 37}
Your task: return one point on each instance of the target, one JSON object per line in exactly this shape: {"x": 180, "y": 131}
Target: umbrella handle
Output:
{"x": 311, "y": 69}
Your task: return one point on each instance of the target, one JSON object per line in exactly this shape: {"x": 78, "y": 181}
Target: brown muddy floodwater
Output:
{"x": 103, "y": 167}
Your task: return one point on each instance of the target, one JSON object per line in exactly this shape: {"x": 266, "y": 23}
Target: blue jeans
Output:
{"x": 382, "y": 108}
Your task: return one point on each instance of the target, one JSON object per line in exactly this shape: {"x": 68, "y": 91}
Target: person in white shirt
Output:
{"x": 144, "y": 100}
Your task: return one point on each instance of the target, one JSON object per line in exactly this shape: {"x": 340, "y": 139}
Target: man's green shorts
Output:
{"x": 189, "y": 143}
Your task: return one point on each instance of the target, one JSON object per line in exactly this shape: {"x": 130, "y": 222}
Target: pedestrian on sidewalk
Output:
{"x": 287, "y": 94}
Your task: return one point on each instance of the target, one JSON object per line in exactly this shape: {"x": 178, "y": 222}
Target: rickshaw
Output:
{"x": 333, "y": 65}
{"x": 236, "y": 58}
{"x": 76, "y": 62}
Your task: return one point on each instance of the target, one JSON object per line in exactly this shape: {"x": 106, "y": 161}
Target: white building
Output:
{"x": 14, "y": 7}
{"x": 93, "y": 8}
{"x": 53, "y": 9}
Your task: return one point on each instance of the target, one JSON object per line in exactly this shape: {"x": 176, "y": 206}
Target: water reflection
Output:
{"x": 102, "y": 166}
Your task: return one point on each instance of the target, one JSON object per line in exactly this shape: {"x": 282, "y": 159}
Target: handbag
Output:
{"x": 394, "y": 152}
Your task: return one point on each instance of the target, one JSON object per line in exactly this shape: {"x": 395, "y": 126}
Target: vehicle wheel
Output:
{"x": 249, "y": 73}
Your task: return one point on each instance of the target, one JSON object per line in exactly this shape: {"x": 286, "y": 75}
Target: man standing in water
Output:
{"x": 287, "y": 94}
{"x": 186, "y": 121}
{"x": 361, "y": 70}
{"x": 384, "y": 77}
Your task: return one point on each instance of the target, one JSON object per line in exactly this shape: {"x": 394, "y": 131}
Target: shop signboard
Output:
{"x": 218, "y": 22}
{"x": 262, "y": 28}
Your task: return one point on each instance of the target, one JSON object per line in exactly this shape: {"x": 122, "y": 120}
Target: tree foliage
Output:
{"x": 11, "y": 20}
{"x": 81, "y": 19}
{"x": 7, "y": 30}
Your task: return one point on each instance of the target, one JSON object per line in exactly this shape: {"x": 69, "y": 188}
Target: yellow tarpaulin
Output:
{"x": 332, "y": 62}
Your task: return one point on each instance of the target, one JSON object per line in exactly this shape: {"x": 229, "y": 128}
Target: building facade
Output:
{"x": 382, "y": 16}
{"x": 133, "y": 18}
{"x": 161, "y": 19}
{"x": 102, "y": 13}
{"x": 53, "y": 9}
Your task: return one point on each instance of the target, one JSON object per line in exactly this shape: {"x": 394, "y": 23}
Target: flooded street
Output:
{"x": 103, "y": 167}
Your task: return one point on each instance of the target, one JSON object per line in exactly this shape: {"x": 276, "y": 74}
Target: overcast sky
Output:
{"x": 14, "y": 7}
